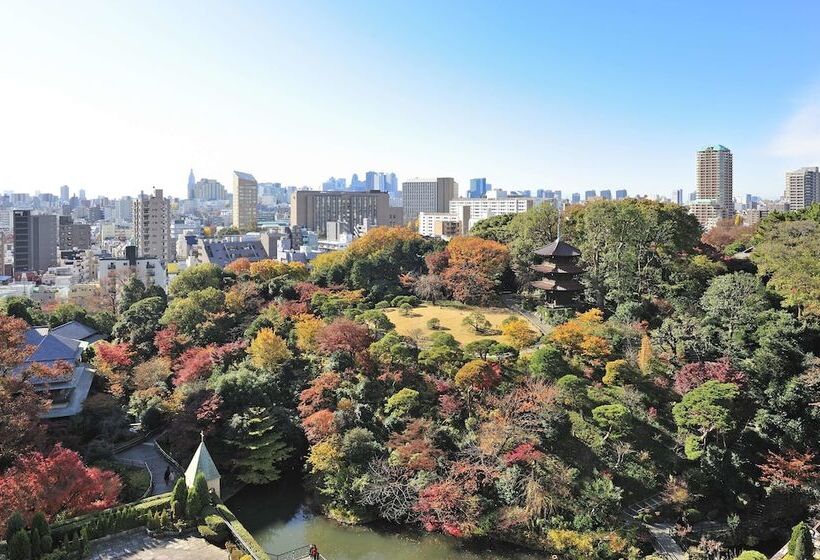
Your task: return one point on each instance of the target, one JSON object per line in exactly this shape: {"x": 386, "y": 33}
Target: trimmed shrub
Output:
{"x": 801, "y": 546}
{"x": 39, "y": 522}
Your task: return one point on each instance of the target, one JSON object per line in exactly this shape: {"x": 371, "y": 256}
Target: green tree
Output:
{"x": 752, "y": 555}
{"x": 614, "y": 418}
{"x": 130, "y": 293}
{"x": 14, "y": 524}
{"x": 787, "y": 255}
{"x": 801, "y": 546}
{"x": 443, "y": 353}
{"x": 377, "y": 321}
{"x": 179, "y": 498}
{"x": 197, "y": 497}
{"x": 23, "y": 308}
{"x": 548, "y": 363}
{"x": 196, "y": 315}
{"x": 477, "y": 321}
{"x": 139, "y": 324}
{"x": 733, "y": 303}
{"x": 706, "y": 410}
{"x": 196, "y": 278}
{"x": 402, "y": 403}
{"x": 19, "y": 546}
{"x": 259, "y": 446}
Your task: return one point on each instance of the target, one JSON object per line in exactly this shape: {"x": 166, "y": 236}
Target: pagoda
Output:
{"x": 557, "y": 264}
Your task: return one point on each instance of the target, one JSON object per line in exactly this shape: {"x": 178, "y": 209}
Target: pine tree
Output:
{"x": 39, "y": 522}
{"x": 259, "y": 447}
{"x": 36, "y": 548}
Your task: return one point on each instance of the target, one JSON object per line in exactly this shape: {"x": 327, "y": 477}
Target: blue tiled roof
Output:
{"x": 75, "y": 330}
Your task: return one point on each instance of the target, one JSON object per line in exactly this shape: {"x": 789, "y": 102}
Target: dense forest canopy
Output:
{"x": 685, "y": 373}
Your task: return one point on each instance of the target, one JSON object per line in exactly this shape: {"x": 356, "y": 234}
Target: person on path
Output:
{"x": 167, "y": 475}
{"x": 314, "y": 552}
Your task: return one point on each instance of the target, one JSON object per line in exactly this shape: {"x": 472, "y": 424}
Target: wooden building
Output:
{"x": 559, "y": 270}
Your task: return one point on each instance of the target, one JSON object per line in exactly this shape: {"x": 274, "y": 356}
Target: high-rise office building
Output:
{"x": 679, "y": 197}
{"x": 64, "y": 194}
{"x": 209, "y": 189}
{"x": 589, "y": 195}
{"x": 314, "y": 209}
{"x": 374, "y": 181}
{"x": 620, "y": 194}
{"x": 576, "y": 198}
{"x": 802, "y": 187}
{"x": 245, "y": 197}
{"x": 478, "y": 187}
{"x": 714, "y": 186}
{"x": 427, "y": 195}
{"x": 74, "y": 236}
{"x": 191, "y": 184}
{"x": 152, "y": 226}
{"x": 391, "y": 184}
{"x": 606, "y": 194}
{"x": 82, "y": 194}
{"x": 35, "y": 241}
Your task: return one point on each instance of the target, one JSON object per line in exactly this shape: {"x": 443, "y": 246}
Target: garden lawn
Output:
{"x": 415, "y": 324}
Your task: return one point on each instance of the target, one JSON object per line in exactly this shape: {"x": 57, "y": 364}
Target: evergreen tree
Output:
{"x": 197, "y": 497}
{"x": 39, "y": 522}
{"x": 259, "y": 446}
{"x": 179, "y": 497}
{"x": 14, "y": 524}
{"x": 801, "y": 546}
{"x": 19, "y": 547}
{"x": 36, "y": 548}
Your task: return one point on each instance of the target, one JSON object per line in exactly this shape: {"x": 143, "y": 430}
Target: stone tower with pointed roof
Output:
{"x": 559, "y": 270}
{"x": 202, "y": 462}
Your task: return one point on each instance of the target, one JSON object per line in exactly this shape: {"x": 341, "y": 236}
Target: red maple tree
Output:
{"x": 58, "y": 484}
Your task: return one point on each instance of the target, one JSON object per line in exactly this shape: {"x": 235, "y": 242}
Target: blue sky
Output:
{"x": 118, "y": 96}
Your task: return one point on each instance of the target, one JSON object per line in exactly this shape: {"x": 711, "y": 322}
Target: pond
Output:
{"x": 277, "y": 517}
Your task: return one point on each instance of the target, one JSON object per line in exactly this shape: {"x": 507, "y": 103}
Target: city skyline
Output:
{"x": 142, "y": 93}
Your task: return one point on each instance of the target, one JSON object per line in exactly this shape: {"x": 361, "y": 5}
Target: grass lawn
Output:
{"x": 415, "y": 324}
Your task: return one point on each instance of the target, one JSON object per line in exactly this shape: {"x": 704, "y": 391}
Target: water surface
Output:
{"x": 277, "y": 517}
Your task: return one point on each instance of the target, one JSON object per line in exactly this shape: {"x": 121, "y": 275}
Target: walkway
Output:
{"x": 510, "y": 301}
{"x": 139, "y": 546}
{"x": 661, "y": 533}
{"x": 147, "y": 453}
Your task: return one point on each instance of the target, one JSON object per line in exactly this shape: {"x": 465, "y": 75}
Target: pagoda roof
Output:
{"x": 561, "y": 285}
{"x": 558, "y": 248}
{"x": 556, "y": 268}
{"x": 201, "y": 462}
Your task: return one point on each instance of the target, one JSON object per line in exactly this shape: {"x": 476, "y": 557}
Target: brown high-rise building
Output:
{"x": 427, "y": 195}
{"x": 314, "y": 209}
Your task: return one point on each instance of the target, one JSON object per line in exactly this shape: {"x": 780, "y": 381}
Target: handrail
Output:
{"x": 133, "y": 442}
{"x": 168, "y": 457}
{"x": 135, "y": 463}
{"x": 296, "y": 554}
{"x": 248, "y": 548}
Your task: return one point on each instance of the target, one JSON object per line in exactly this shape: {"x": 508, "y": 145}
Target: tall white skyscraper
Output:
{"x": 64, "y": 194}
{"x": 152, "y": 226}
{"x": 245, "y": 198}
{"x": 802, "y": 187}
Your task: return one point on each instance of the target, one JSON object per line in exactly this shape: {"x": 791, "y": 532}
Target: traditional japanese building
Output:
{"x": 558, "y": 265}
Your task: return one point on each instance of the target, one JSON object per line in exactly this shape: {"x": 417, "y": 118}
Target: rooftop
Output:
{"x": 715, "y": 148}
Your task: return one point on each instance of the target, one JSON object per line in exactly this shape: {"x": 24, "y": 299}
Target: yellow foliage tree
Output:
{"x": 268, "y": 350}
{"x": 580, "y": 337}
{"x": 518, "y": 333}
{"x": 325, "y": 456}
{"x": 645, "y": 354}
{"x": 306, "y": 328}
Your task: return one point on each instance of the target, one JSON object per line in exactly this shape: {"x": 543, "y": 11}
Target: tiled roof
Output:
{"x": 75, "y": 330}
{"x": 558, "y": 248}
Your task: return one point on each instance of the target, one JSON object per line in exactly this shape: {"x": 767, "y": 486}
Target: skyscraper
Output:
{"x": 478, "y": 187}
{"x": 714, "y": 186}
{"x": 589, "y": 195}
{"x": 802, "y": 187}
{"x": 427, "y": 195}
{"x": 191, "y": 184}
{"x": 245, "y": 196}
{"x": 314, "y": 209}
{"x": 152, "y": 226}
{"x": 606, "y": 194}
{"x": 64, "y": 194}
{"x": 620, "y": 194}
{"x": 35, "y": 241}
{"x": 679, "y": 197}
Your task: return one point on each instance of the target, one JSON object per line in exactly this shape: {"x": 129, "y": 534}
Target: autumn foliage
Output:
{"x": 58, "y": 484}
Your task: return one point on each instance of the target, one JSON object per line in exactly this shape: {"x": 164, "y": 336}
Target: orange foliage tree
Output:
{"x": 581, "y": 338}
